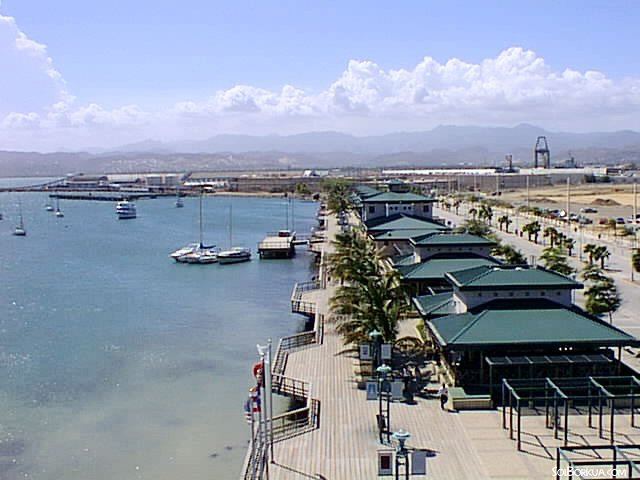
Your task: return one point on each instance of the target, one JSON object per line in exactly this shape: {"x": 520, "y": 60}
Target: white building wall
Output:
{"x": 469, "y": 300}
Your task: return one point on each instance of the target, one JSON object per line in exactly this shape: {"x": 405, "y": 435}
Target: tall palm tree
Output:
{"x": 552, "y": 233}
{"x": 456, "y": 205}
{"x": 504, "y": 220}
{"x": 589, "y": 249}
{"x": 485, "y": 213}
{"x": 473, "y": 212}
{"x": 569, "y": 243}
{"x": 601, "y": 253}
{"x": 532, "y": 229}
{"x": 555, "y": 260}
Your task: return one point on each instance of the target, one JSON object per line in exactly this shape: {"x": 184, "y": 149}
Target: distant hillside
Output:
{"x": 442, "y": 146}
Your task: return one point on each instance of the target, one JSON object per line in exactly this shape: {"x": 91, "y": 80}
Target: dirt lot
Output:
{"x": 610, "y": 201}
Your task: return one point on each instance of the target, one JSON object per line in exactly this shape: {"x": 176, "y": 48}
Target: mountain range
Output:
{"x": 442, "y": 146}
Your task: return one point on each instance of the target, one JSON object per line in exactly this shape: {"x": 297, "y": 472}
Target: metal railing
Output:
{"x": 302, "y": 306}
{"x": 294, "y": 422}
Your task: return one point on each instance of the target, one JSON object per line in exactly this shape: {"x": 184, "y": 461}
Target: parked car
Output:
{"x": 588, "y": 210}
{"x": 620, "y": 221}
{"x": 603, "y": 221}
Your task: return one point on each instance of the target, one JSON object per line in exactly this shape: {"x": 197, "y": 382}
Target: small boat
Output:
{"x": 197, "y": 253}
{"x": 59, "y": 213}
{"x": 20, "y": 231}
{"x": 48, "y": 207}
{"x": 235, "y": 255}
{"x": 187, "y": 249}
{"x": 126, "y": 210}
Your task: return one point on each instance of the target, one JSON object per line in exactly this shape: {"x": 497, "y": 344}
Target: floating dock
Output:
{"x": 279, "y": 244}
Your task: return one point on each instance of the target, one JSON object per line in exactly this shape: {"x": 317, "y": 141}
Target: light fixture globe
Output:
{"x": 401, "y": 436}
{"x": 383, "y": 370}
{"x": 375, "y": 334}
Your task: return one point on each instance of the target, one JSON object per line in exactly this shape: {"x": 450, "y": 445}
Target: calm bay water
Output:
{"x": 117, "y": 363}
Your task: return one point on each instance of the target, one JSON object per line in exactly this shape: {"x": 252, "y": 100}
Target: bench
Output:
{"x": 461, "y": 400}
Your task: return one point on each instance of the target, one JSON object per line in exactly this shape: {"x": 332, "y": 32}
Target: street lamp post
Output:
{"x": 376, "y": 338}
{"x": 384, "y": 419}
{"x": 402, "y": 454}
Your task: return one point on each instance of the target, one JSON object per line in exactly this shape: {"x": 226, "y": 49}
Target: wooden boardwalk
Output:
{"x": 469, "y": 445}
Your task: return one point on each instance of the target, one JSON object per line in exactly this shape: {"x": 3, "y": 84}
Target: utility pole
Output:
{"x": 568, "y": 206}
{"x": 527, "y": 191}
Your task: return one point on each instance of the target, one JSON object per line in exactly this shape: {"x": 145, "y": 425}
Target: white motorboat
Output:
{"x": 235, "y": 255}
{"x": 187, "y": 249}
{"x": 48, "y": 207}
{"x": 126, "y": 210}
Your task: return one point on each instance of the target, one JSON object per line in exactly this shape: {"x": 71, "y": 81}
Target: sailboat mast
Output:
{"x": 286, "y": 202}
{"x": 230, "y": 226}
{"x": 293, "y": 215}
{"x": 201, "y": 220}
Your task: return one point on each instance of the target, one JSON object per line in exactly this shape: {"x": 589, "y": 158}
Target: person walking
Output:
{"x": 443, "y": 393}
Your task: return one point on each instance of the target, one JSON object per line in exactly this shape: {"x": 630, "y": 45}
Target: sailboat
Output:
{"x": 179, "y": 202}
{"x": 234, "y": 254}
{"x": 20, "y": 231}
{"x": 59, "y": 213}
{"x": 196, "y": 252}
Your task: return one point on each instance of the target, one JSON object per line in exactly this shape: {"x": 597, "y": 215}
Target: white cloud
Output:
{"x": 515, "y": 86}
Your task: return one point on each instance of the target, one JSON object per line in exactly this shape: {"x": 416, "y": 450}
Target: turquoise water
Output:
{"x": 117, "y": 363}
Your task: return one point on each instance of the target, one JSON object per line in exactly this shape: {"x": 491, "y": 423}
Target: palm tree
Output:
{"x": 601, "y": 253}
{"x": 569, "y": 244}
{"x": 456, "y": 205}
{"x": 552, "y": 233}
{"x": 354, "y": 257}
{"x": 473, "y": 212}
{"x": 532, "y": 229}
{"x": 338, "y": 195}
{"x": 374, "y": 302}
{"x": 485, "y": 213}
{"x": 504, "y": 220}
{"x": 589, "y": 249}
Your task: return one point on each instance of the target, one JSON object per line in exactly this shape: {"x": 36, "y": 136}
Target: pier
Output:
{"x": 342, "y": 442}
{"x": 280, "y": 244}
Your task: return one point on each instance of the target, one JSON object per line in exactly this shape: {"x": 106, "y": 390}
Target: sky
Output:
{"x": 78, "y": 74}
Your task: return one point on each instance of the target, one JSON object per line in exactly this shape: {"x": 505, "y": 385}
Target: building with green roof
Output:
{"x": 430, "y": 275}
{"x": 506, "y": 312}
{"x": 438, "y": 243}
{"x": 385, "y": 204}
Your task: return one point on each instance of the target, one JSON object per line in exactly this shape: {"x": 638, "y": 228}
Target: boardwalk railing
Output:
{"x": 298, "y": 305}
{"x": 294, "y": 422}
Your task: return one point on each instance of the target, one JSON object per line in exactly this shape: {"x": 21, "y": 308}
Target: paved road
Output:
{"x": 618, "y": 267}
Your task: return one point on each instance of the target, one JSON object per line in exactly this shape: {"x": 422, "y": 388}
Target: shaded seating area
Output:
{"x": 600, "y": 399}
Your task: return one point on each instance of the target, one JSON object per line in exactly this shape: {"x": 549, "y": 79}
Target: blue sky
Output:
{"x": 128, "y": 69}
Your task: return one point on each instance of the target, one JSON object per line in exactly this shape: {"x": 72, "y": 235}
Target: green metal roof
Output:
{"x": 438, "y": 267}
{"x": 364, "y": 191}
{"x": 403, "y": 260}
{"x": 402, "y": 221}
{"x": 526, "y": 324}
{"x": 393, "y": 197}
{"x": 444, "y": 238}
{"x": 509, "y": 276}
{"x": 433, "y": 305}
{"x": 400, "y": 234}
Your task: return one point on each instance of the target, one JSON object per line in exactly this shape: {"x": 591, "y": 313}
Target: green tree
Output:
{"x": 474, "y": 227}
{"x": 552, "y": 233}
{"x": 601, "y": 253}
{"x": 473, "y": 212}
{"x": 504, "y": 220}
{"x": 509, "y": 254}
{"x": 569, "y": 244}
{"x": 532, "y": 229}
{"x": 338, "y": 195}
{"x": 602, "y": 295}
{"x": 485, "y": 213}
{"x": 302, "y": 189}
{"x": 589, "y": 249}
{"x": 635, "y": 260}
{"x": 456, "y": 205}
{"x": 554, "y": 259}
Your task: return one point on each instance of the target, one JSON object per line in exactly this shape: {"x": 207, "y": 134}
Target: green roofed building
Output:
{"x": 392, "y": 235}
{"x": 438, "y": 243}
{"x": 430, "y": 276}
{"x": 385, "y": 204}
{"x": 497, "y": 315}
